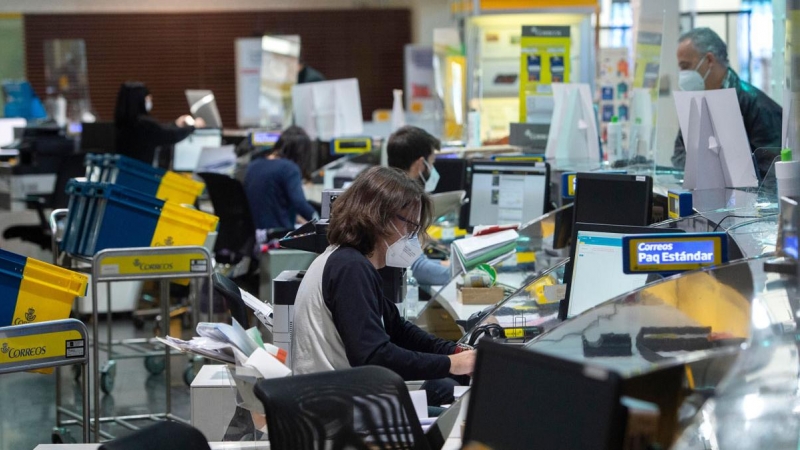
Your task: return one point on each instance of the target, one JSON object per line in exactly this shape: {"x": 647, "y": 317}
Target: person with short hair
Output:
{"x": 341, "y": 317}
{"x": 413, "y": 150}
{"x": 273, "y": 182}
{"x": 703, "y": 62}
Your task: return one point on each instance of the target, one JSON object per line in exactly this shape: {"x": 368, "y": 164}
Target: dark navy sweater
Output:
{"x": 275, "y": 193}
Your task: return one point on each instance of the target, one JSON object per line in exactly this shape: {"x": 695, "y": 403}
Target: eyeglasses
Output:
{"x": 416, "y": 227}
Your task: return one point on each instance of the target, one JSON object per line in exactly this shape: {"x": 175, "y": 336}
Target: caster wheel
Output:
{"x": 76, "y": 372}
{"x": 62, "y": 436}
{"x": 138, "y": 322}
{"x": 189, "y": 374}
{"x": 155, "y": 364}
{"x": 107, "y": 375}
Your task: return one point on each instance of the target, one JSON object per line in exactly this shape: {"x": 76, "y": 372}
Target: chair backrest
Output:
{"x": 361, "y": 408}
{"x": 236, "y": 233}
{"x": 71, "y": 166}
{"x": 161, "y": 436}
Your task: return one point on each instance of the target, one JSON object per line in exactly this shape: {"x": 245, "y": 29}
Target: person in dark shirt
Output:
{"x": 138, "y": 133}
{"x": 273, "y": 183}
{"x": 308, "y": 74}
{"x": 342, "y": 319}
{"x": 703, "y": 62}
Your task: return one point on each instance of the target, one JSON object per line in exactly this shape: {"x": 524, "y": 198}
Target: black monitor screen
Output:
{"x": 525, "y": 399}
{"x": 452, "y": 174}
{"x": 502, "y": 193}
{"x": 613, "y": 199}
{"x": 99, "y": 137}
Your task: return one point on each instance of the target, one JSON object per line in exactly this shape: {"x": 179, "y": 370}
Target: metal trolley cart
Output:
{"x": 137, "y": 264}
{"x": 46, "y": 345}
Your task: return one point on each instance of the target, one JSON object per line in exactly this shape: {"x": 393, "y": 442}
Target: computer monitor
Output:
{"x": 187, "y": 152}
{"x": 7, "y": 129}
{"x": 573, "y": 136}
{"x": 521, "y": 398}
{"x": 718, "y": 153}
{"x": 505, "y": 193}
{"x": 203, "y": 105}
{"x": 99, "y": 137}
{"x": 452, "y": 174}
{"x": 613, "y": 199}
{"x": 594, "y": 273}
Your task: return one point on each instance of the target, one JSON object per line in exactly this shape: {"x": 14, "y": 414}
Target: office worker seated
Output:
{"x": 138, "y": 133}
{"x": 411, "y": 149}
{"x": 273, "y": 182}
{"x": 341, "y": 317}
{"x": 703, "y": 62}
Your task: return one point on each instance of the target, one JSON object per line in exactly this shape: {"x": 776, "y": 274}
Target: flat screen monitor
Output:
{"x": 613, "y": 199}
{"x": 187, "y": 152}
{"x": 99, "y": 137}
{"x": 452, "y": 174}
{"x": 202, "y": 104}
{"x": 594, "y": 273}
{"x": 521, "y": 398}
{"x": 505, "y": 193}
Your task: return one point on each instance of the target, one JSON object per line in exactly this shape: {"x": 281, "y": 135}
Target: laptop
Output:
{"x": 202, "y": 104}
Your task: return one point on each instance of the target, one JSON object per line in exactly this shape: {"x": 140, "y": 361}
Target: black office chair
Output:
{"x": 161, "y": 436}
{"x": 361, "y": 408}
{"x": 70, "y": 167}
{"x": 229, "y": 291}
{"x": 236, "y": 232}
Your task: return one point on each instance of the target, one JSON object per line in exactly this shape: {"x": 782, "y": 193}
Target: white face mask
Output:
{"x": 148, "y": 104}
{"x": 690, "y": 80}
{"x": 404, "y": 252}
{"x": 433, "y": 177}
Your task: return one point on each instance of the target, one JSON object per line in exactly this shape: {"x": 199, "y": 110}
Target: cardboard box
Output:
{"x": 480, "y": 296}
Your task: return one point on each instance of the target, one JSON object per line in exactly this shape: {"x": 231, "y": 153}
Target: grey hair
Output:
{"x": 705, "y": 40}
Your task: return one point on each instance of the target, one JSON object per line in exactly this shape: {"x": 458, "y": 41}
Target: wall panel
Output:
{"x": 171, "y": 52}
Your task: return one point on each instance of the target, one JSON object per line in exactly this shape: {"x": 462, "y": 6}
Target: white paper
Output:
{"x": 217, "y": 160}
{"x": 267, "y": 365}
{"x": 715, "y": 113}
{"x": 573, "y": 135}
{"x": 479, "y": 245}
{"x": 262, "y": 310}
{"x": 420, "y": 400}
{"x": 328, "y": 109}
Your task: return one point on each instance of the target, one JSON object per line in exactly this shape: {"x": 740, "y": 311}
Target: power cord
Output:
{"x": 729, "y": 216}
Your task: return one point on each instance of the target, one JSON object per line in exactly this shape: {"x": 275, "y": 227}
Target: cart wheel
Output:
{"x": 107, "y": 374}
{"x": 189, "y": 374}
{"x": 62, "y": 436}
{"x": 155, "y": 364}
{"x": 76, "y": 372}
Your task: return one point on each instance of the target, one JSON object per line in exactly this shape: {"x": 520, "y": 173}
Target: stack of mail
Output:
{"x": 492, "y": 248}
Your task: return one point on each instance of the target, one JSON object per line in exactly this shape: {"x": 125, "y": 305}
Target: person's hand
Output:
{"x": 462, "y": 363}
{"x": 445, "y": 262}
{"x": 184, "y": 120}
{"x": 199, "y": 122}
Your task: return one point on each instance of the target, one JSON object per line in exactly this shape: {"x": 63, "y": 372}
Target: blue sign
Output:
{"x": 673, "y": 253}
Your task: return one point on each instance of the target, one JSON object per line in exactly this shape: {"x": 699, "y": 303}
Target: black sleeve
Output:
{"x": 352, "y": 292}
{"x": 164, "y": 134}
{"x": 407, "y": 335}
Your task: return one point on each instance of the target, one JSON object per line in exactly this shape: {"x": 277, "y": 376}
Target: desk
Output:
{"x": 213, "y": 445}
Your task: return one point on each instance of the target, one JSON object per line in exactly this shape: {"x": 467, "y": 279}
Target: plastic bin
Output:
{"x": 134, "y": 174}
{"x": 104, "y": 215}
{"x": 35, "y": 291}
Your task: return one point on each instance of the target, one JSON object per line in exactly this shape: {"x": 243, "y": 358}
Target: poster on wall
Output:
{"x": 544, "y": 59}
{"x": 279, "y": 66}
{"x": 614, "y": 89}
{"x": 248, "y": 81}
{"x": 419, "y": 83}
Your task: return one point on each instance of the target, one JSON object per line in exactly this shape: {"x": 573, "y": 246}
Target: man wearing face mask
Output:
{"x": 703, "y": 62}
{"x": 341, "y": 317}
{"x": 412, "y": 150}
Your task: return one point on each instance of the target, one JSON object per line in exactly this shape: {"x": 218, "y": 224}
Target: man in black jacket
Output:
{"x": 703, "y": 62}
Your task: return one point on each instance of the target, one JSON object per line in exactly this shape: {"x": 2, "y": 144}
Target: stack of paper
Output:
{"x": 491, "y": 248}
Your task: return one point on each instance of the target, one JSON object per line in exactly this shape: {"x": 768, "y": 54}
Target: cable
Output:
{"x": 719, "y": 224}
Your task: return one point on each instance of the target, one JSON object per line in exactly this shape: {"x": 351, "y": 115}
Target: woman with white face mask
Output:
{"x": 341, "y": 317}
{"x": 138, "y": 133}
{"x": 413, "y": 150}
